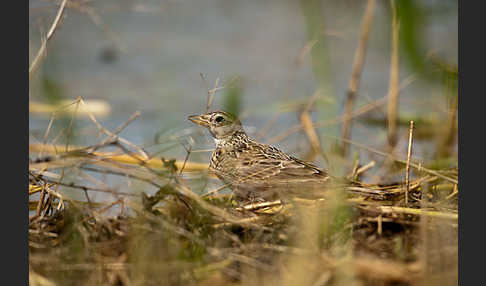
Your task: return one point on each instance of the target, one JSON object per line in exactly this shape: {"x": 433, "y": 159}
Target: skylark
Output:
{"x": 256, "y": 172}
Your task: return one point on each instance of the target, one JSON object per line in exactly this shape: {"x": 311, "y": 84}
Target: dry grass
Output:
{"x": 392, "y": 107}
{"x": 358, "y": 63}
{"x": 354, "y": 234}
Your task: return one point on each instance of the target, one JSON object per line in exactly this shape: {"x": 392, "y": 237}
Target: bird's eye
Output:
{"x": 219, "y": 119}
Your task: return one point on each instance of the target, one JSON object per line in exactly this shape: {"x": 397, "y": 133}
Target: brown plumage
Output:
{"x": 256, "y": 171}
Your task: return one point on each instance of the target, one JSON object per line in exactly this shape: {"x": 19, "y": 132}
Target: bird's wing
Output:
{"x": 266, "y": 163}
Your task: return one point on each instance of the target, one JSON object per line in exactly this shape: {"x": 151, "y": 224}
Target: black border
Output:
{"x": 15, "y": 99}
{"x": 471, "y": 143}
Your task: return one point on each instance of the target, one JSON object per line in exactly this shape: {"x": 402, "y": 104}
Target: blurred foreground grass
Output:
{"x": 178, "y": 236}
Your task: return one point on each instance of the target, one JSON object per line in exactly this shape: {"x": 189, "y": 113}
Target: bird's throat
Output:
{"x": 218, "y": 142}
{"x": 227, "y": 139}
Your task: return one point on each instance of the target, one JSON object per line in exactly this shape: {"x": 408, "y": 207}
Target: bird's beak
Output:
{"x": 200, "y": 119}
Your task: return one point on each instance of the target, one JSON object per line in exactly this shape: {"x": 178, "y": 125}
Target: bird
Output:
{"x": 256, "y": 172}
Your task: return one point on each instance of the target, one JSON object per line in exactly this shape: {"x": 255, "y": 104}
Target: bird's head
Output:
{"x": 221, "y": 124}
